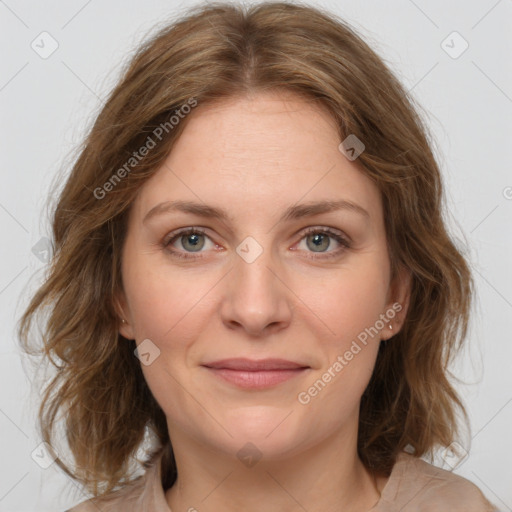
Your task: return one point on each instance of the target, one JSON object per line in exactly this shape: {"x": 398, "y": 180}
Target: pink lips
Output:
{"x": 249, "y": 373}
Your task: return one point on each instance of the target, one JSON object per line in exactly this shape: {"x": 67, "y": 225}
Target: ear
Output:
{"x": 398, "y": 303}
{"x": 125, "y": 328}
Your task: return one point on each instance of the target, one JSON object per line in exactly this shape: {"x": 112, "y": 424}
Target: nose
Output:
{"x": 256, "y": 299}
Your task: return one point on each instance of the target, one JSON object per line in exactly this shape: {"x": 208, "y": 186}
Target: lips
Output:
{"x": 256, "y": 374}
{"x": 250, "y": 365}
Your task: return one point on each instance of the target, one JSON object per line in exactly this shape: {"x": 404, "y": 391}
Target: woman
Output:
{"x": 253, "y": 273}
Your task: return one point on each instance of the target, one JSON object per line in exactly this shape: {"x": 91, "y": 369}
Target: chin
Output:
{"x": 272, "y": 431}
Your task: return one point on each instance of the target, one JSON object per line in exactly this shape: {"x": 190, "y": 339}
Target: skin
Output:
{"x": 255, "y": 156}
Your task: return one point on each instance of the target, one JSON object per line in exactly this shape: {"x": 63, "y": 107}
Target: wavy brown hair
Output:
{"x": 213, "y": 52}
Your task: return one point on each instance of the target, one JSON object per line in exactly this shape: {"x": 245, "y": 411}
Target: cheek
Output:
{"x": 350, "y": 304}
{"x": 170, "y": 309}
{"x": 351, "y": 300}
{"x": 164, "y": 302}
{"x": 356, "y": 301}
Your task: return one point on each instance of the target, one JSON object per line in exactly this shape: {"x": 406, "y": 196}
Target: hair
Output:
{"x": 219, "y": 51}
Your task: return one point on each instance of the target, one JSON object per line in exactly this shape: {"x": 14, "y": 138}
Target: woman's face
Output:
{"x": 261, "y": 279}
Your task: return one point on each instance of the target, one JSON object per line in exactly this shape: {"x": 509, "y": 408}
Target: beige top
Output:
{"x": 413, "y": 486}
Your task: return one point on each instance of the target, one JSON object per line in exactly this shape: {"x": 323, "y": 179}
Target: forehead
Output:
{"x": 281, "y": 126}
{"x": 249, "y": 153}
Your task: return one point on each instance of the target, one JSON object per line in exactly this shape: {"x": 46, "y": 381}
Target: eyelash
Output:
{"x": 345, "y": 244}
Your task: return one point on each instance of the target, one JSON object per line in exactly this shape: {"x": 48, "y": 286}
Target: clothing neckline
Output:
{"x": 390, "y": 486}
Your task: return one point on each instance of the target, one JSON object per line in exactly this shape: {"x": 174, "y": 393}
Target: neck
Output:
{"x": 325, "y": 477}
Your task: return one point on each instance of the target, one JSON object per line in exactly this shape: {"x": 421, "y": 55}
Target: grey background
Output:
{"x": 47, "y": 103}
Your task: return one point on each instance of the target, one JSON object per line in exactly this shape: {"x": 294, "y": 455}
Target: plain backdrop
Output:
{"x": 60, "y": 58}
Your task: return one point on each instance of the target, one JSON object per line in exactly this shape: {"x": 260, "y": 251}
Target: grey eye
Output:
{"x": 192, "y": 241}
{"x": 319, "y": 241}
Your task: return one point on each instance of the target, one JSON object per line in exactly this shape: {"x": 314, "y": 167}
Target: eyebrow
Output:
{"x": 293, "y": 212}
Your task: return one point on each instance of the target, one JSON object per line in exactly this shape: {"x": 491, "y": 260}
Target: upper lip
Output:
{"x": 255, "y": 365}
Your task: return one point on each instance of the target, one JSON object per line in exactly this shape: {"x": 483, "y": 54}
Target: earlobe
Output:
{"x": 125, "y": 328}
{"x": 404, "y": 291}
{"x": 399, "y": 302}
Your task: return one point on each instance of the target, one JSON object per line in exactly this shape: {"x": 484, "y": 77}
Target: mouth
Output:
{"x": 246, "y": 373}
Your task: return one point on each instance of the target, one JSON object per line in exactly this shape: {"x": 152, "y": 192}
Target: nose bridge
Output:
{"x": 255, "y": 298}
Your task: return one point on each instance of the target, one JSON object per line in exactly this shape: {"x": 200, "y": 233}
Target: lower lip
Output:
{"x": 256, "y": 379}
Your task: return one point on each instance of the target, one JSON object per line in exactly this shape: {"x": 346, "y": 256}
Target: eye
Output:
{"x": 319, "y": 240}
{"x": 191, "y": 240}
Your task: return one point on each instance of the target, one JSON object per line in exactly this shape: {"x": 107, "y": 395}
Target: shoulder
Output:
{"x": 128, "y": 499}
{"x": 86, "y": 506}
{"x": 421, "y": 487}
{"x": 144, "y": 492}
